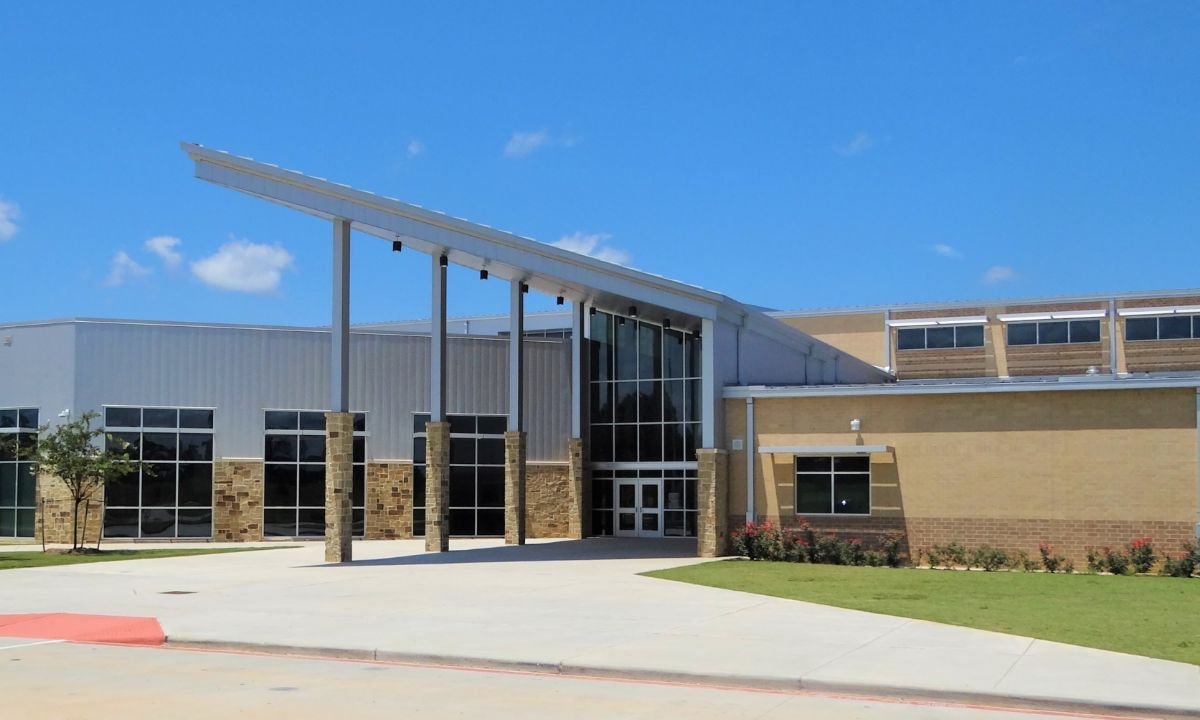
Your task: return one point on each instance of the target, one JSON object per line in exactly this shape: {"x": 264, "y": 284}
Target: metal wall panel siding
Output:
{"x": 242, "y": 371}
{"x": 37, "y": 369}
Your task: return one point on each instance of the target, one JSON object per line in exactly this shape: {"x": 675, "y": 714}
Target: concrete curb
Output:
{"x": 719, "y": 680}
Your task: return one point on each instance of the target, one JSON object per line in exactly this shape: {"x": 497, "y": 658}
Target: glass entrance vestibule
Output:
{"x": 644, "y": 415}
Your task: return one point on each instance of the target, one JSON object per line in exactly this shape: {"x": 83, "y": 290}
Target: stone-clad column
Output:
{"x": 339, "y": 482}
{"x": 437, "y": 487}
{"x": 577, "y": 487}
{"x": 514, "y": 488}
{"x": 712, "y": 525}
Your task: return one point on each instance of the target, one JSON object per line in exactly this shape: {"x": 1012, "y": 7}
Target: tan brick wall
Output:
{"x": 860, "y": 334}
{"x": 548, "y": 500}
{"x": 237, "y": 500}
{"x": 54, "y": 510}
{"x": 1075, "y": 468}
{"x": 389, "y": 500}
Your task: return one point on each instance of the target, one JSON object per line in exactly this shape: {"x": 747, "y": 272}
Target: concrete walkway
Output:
{"x": 580, "y": 607}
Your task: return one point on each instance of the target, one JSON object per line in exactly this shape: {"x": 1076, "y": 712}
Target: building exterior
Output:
{"x": 649, "y": 408}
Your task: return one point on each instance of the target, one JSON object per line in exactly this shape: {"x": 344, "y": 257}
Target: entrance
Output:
{"x": 639, "y": 508}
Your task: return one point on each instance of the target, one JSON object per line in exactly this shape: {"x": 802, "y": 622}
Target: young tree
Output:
{"x": 72, "y": 453}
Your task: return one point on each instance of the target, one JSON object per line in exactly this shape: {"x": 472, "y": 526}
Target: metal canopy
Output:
{"x": 504, "y": 255}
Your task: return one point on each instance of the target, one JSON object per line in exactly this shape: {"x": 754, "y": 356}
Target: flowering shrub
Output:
{"x": 1186, "y": 564}
{"x": 1021, "y": 561}
{"x": 1141, "y": 555}
{"x": 1116, "y": 561}
{"x": 949, "y": 556}
{"x": 1095, "y": 560}
{"x": 989, "y": 558}
{"x": 892, "y": 546}
{"x": 1050, "y": 560}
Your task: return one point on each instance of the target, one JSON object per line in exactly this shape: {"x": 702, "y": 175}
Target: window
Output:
{"x": 645, "y": 390}
{"x": 833, "y": 485}
{"x": 1053, "y": 332}
{"x": 170, "y": 494}
{"x": 1165, "y": 327}
{"x": 955, "y": 336}
{"x": 294, "y": 474}
{"x": 18, "y": 481}
{"x": 476, "y": 474}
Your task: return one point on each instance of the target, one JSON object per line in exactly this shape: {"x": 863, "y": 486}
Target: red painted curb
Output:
{"x": 73, "y": 627}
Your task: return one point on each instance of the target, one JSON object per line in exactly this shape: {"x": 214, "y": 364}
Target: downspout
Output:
{"x": 750, "y": 515}
{"x": 887, "y": 340}
{"x": 1112, "y": 336}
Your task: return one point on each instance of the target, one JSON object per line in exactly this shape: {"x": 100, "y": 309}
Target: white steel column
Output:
{"x": 708, "y": 383}
{"x": 516, "y": 360}
{"x": 578, "y": 383}
{"x": 437, "y": 344}
{"x": 339, "y": 366}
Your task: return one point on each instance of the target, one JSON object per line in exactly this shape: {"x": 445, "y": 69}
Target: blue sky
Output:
{"x": 788, "y": 154}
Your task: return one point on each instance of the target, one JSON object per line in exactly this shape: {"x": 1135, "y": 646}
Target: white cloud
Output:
{"x": 998, "y": 274}
{"x": 9, "y": 215}
{"x": 415, "y": 148}
{"x": 244, "y": 266}
{"x": 592, "y": 244}
{"x": 164, "y": 247}
{"x": 857, "y": 145}
{"x": 946, "y": 250}
{"x": 123, "y": 268}
{"x": 524, "y": 143}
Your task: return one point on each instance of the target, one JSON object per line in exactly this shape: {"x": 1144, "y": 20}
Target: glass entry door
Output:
{"x": 639, "y": 508}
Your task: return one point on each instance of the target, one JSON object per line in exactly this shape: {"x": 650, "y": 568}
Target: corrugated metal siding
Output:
{"x": 37, "y": 369}
{"x": 242, "y": 371}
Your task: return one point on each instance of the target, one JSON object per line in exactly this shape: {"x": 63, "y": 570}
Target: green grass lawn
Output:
{"x": 12, "y": 560}
{"x": 1153, "y": 616}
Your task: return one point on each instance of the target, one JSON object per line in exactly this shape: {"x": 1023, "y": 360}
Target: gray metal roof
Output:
{"x": 505, "y": 255}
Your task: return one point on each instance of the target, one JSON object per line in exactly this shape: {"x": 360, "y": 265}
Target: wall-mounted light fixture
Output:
{"x": 633, "y": 311}
{"x": 592, "y": 310}
{"x": 483, "y": 274}
{"x": 855, "y": 425}
{"x": 524, "y": 288}
{"x": 397, "y": 246}
{"x": 558, "y": 300}
{"x": 666, "y": 323}
{"x": 443, "y": 261}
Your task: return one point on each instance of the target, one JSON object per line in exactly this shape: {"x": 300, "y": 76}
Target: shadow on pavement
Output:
{"x": 588, "y": 549}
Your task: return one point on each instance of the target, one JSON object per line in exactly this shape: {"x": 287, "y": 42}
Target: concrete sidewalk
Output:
{"x": 580, "y": 607}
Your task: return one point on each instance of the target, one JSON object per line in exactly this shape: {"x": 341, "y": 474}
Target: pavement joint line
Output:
{"x": 31, "y": 644}
{"x": 1020, "y": 656}
{"x": 835, "y": 689}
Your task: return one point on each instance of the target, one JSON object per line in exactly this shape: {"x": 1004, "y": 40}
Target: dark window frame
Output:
{"x": 141, "y": 510}
{"x": 18, "y": 434}
{"x": 300, "y": 430}
{"x": 1071, "y": 325}
{"x": 831, "y": 475}
{"x": 958, "y": 330}
{"x": 1193, "y": 318}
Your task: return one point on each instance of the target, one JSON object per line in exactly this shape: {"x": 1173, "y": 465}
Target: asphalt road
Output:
{"x": 61, "y": 681}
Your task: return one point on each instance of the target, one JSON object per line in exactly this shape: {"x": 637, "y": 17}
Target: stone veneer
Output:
{"x": 437, "y": 487}
{"x": 339, "y": 482}
{"x": 577, "y": 489}
{"x": 712, "y": 477}
{"x": 514, "y": 488}
{"x": 237, "y": 500}
{"x": 389, "y": 500}
{"x": 548, "y": 501}
{"x": 53, "y": 516}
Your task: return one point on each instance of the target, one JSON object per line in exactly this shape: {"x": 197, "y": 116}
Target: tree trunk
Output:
{"x": 75, "y": 525}
{"x": 87, "y": 506}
